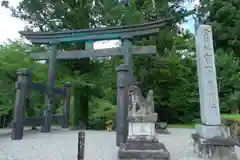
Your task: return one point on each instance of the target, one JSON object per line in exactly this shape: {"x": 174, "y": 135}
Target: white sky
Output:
{"x": 10, "y": 26}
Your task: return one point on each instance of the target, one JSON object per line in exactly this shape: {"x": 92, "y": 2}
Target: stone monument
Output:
{"x": 142, "y": 142}
{"x": 211, "y": 140}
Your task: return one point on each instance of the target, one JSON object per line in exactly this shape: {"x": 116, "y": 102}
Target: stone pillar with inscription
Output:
{"x": 210, "y": 140}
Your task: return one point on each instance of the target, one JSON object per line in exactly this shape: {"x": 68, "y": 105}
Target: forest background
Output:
{"x": 172, "y": 73}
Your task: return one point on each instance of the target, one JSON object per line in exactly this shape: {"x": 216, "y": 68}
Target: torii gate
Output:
{"x": 125, "y": 33}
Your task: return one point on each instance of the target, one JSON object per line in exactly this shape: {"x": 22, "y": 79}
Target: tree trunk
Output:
{"x": 235, "y": 109}
{"x": 80, "y": 108}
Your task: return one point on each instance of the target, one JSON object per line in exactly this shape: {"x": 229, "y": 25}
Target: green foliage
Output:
{"x": 14, "y": 56}
{"x": 101, "y": 111}
{"x": 224, "y": 17}
{"x": 228, "y": 78}
{"x": 173, "y": 79}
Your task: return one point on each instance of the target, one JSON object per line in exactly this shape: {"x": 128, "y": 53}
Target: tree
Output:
{"x": 14, "y": 56}
{"x": 62, "y": 15}
{"x": 224, "y": 17}
{"x": 234, "y": 102}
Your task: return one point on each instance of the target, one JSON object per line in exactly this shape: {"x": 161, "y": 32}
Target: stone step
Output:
{"x": 143, "y": 139}
{"x": 138, "y": 145}
{"x": 144, "y": 154}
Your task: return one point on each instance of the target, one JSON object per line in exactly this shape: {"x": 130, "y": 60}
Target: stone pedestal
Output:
{"x": 214, "y": 142}
{"x": 142, "y": 143}
{"x": 161, "y": 128}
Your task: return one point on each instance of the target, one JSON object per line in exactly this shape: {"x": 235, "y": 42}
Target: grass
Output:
{"x": 228, "y": 116}
{"x": 181, "y": 125}
{"x": 231, "y": 116}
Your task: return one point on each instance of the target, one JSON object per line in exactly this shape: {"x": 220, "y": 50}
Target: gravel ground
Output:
{"x": 99, "y": 145}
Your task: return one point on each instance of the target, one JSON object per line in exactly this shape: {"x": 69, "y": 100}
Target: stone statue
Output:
{"x": 142, "y": 141}
{"x": 145, "y": 105}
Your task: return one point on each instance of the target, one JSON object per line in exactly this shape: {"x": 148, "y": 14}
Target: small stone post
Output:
{"x": 81, "y": 145}
{"x": 122, "y": 103}
{"x": 66, "y": 108}
{"x": 22, "y": 86}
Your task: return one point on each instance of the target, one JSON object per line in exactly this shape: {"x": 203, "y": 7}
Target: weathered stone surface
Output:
{"x": 143, "y": 155}
{"x": 142, "y": 142}
{"x": 143, "y": 150}
{"x": 145, "y": 139}
{"x": 212, "y": 140}
{"x": 146, "y": 106}
{"x": 234, "y": 127}
{"x": 209, "y": 132}
{"x": 144, "y": 145}
{"x": 146, "y": 118}
{"x": 215, "y": 148}
{"x": 208, "y": 91}
{"x": 141, "y": 129}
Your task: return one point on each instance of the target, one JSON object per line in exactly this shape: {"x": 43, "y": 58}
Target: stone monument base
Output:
{"x": 142, "y": 148}
{"x": 142, "y": 143}
{"x": 208, "y": 146}
{"x": 161, "y": 128}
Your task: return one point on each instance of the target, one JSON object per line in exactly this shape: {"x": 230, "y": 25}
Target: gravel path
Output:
{"x": 100, "y": 145}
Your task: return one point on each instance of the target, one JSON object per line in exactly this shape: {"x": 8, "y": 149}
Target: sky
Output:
{"x": 10, "y": 26}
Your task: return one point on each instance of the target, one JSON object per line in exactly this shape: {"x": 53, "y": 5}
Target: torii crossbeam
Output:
{"x": 95, "y": 34}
